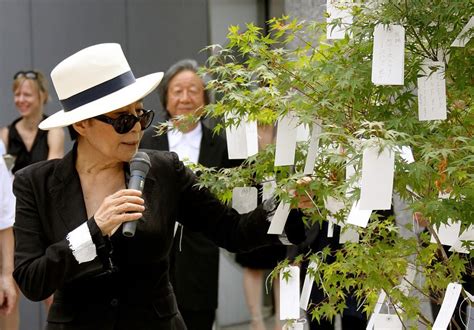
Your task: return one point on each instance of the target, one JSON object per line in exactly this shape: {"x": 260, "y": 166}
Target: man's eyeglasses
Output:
{"x": 124, "y": 123}
{"x": 26, "y": 74}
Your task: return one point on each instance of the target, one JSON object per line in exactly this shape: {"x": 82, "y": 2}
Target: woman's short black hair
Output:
{"x": 180, "y": 66}
{"x": 72, "y": 132}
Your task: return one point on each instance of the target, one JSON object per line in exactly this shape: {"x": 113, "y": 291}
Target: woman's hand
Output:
{"x": 420, "y": 219}
{"x": 125, "y": 205}
{"x": 303, "y": 194}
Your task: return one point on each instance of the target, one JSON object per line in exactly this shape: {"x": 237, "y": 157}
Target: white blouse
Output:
{"x": 7, "y": 199}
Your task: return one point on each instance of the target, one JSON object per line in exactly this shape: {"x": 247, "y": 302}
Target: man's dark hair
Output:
{"x": 180, "y": 66}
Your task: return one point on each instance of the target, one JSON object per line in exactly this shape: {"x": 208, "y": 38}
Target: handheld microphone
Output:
{"x": 139, "y": 166}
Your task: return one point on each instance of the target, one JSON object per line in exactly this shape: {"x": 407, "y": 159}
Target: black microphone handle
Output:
{"x": 137, "y": 181}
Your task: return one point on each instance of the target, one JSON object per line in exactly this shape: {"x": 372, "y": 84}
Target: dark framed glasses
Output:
{"x": 124, "y": 123}
{"x": 27, "y": 74}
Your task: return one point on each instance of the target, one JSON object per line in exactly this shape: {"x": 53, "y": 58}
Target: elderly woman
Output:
{"x": 70, "y": 212}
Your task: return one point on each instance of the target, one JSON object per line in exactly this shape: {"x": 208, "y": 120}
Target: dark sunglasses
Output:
{"x": 26, "y": 74}
{"x": 124, "y": 123}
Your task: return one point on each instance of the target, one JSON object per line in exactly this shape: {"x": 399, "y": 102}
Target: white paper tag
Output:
{"x": 307, "y": 286}
{"x": 313, "y": 148}
{"x": 387, "y": 322}
{"x": 432, "y": 92}
{"x": 236, "y": 141}
{"x": 244, "y": 199}
{"x": 377, "y": 179}
{"x": 330, "y": 228}
{"x": 406, "y": 154}
{"x": 348, "y": 234}
{"x": 447, "y": 233}
{"x": 242, "y": 141}
{"x": 388, "y": 58}
{"x": 444, "y": 195}
{"x": 409, "y": 277}
{"x": 176, "y": 225}
{"x": 447, "y": 307}
{"x": 251, "y": 133}
{"x": 463, "y": 38}
{"x": 302, "y": 133}
{"x": 279, "y": 219}
{"x": 294, "y": 326}
{"x": 350, "y": 172}
{"x": 333, "y": 206}
{"x": 290, "y": 293}
{"x": 358, "y": 217}
{"x": 467, "y": 235}
{"x": 443, "y": 56}
{"x": 378, "y": 307}
{"x": 286, "y": 140}
{"x": 337, "y": 10}
{"x": 470, "y": 296}
{"x": 268, "y": 188}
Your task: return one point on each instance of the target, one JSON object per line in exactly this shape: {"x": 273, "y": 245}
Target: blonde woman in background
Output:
{"x": 27, "y": 144}
{"x": 22, "y": 138}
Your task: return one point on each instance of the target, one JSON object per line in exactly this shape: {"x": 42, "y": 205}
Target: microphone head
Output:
{"x": 140, "y": 162}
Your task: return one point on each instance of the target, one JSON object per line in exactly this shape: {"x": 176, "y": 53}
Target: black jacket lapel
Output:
{"x": 160, "y": 142}
{"x": 66, "y": 191}
{"x": 207, "y": 152}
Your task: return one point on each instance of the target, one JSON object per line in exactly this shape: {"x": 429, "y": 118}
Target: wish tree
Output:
{"x": 387, "y": 108}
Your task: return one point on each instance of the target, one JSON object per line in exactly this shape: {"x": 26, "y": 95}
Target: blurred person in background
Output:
{"x": 9, "y": 319}
{"x": 194, "y": 259}
{"x": 22, "y": 138}
{"x": 24, "y": 142}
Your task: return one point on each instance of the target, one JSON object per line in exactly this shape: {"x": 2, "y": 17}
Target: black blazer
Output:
{"x": 194, "y": 259}
{"x": 127, "y": 285}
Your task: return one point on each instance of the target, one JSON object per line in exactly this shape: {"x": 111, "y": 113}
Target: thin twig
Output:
{"x": 441, "y": 250}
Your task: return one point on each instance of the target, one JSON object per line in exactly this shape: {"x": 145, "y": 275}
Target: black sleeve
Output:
{"x": 199, "y": 210}
{"x": 42, "y": 267}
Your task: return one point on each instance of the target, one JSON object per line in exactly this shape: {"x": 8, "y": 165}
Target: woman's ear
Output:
{"x": 81, "y": 126}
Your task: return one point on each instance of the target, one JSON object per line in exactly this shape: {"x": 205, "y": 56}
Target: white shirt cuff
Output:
{"x": 284, "y": 239}
{"x": 81, "y": 245}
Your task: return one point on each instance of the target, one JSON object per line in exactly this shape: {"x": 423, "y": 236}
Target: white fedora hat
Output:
{"x": 94, "y": 81}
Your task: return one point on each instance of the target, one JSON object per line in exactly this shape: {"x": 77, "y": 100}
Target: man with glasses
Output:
{"x": 194, "y": 263}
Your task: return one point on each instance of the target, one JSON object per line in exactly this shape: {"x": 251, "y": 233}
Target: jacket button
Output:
{"x": 114, "y": 302}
